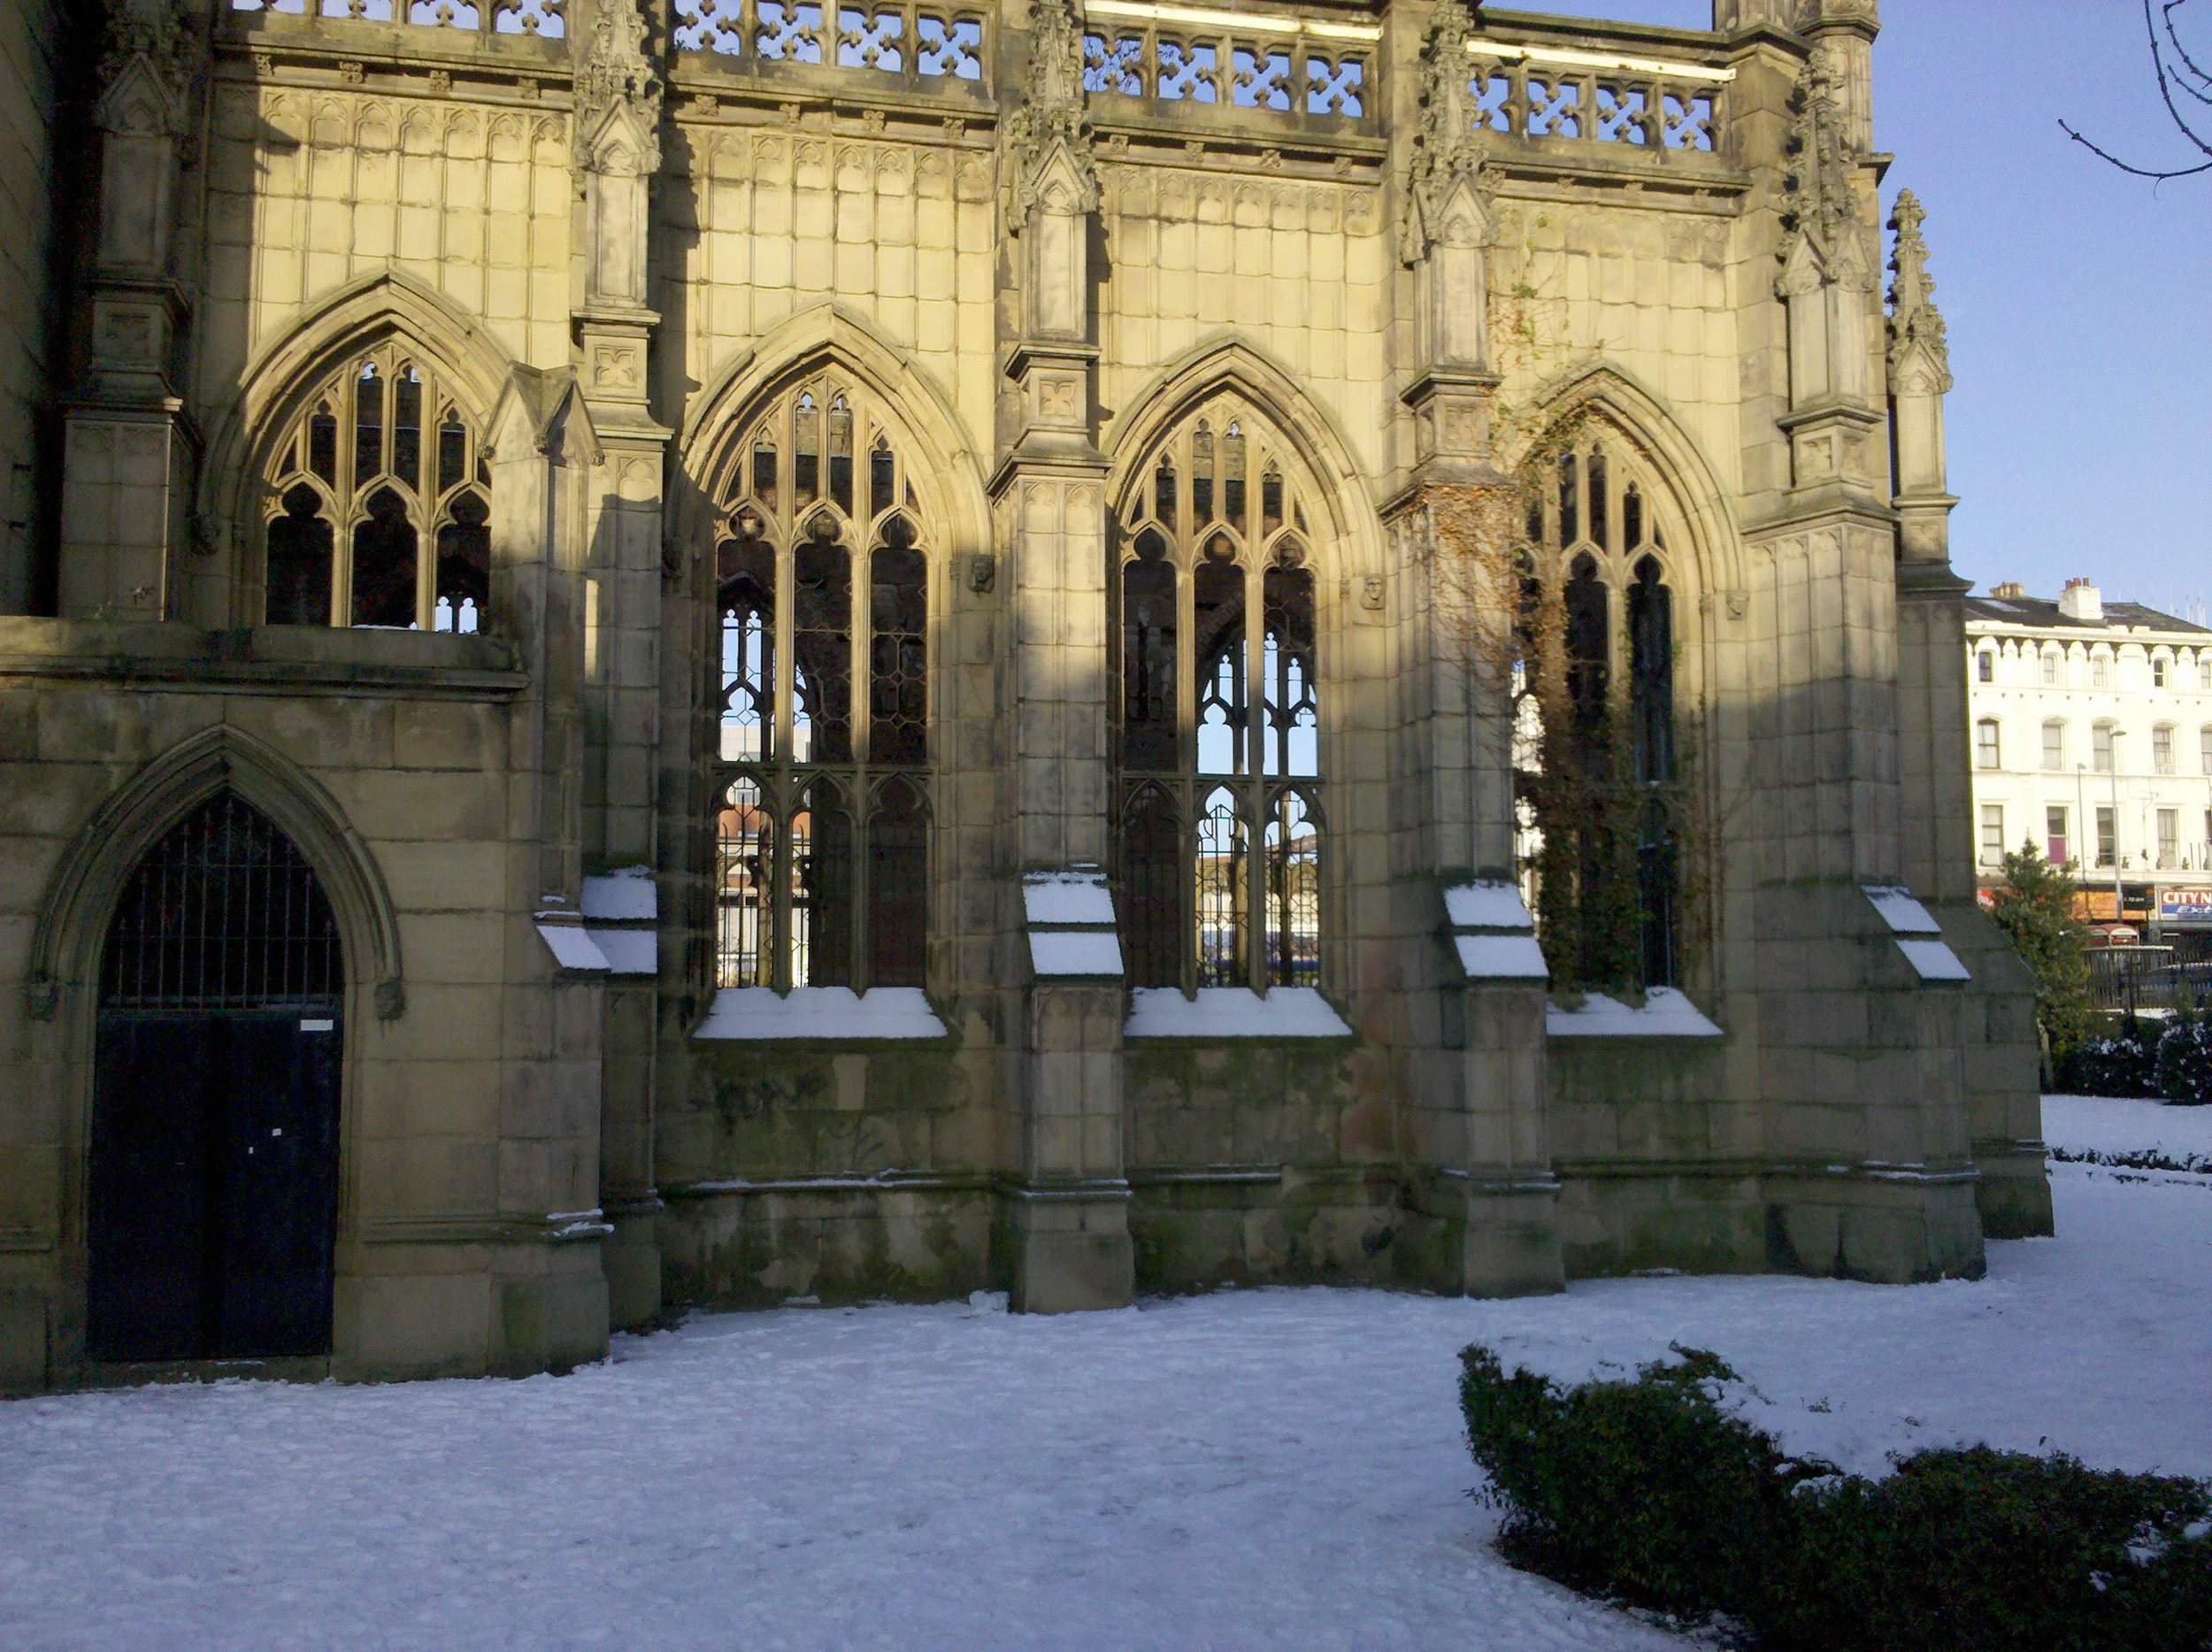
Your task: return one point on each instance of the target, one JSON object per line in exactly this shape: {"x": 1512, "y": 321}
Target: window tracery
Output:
{"x": 378, "y": 507}
{"x": 821, "y": 732}
{"x": 1217, "y": 729}
{"x": 1598, "y": 804}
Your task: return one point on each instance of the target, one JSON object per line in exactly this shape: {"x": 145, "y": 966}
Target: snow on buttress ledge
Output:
{"x": 760, "y": 1013}
{"x": 624, "y": 896}
{"x": 1489, "y": 905}
{"x": 1900, "y": 909}
{"x": 1666, "y": 1013}
{"x": 1067, "y": 898}
{"x": 1232, "y": 1012}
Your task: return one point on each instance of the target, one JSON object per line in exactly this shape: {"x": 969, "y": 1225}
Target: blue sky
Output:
{"x": 2080, "y": 300}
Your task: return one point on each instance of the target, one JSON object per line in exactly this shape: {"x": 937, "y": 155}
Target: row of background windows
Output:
{"x": 1221, "y": 806}
{"x": 2167, "y": 671}
{"x": 379, "y": 515}
{"x": 2104, "y": 740}
{"x": 2171, "y": 853}
{"x": 823, "y": 829}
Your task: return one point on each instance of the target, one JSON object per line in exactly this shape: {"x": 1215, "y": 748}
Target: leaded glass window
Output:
{"x": 379, "y": 506}
{"x": 1216, "y": 727}
{"x": 822, "y": 733}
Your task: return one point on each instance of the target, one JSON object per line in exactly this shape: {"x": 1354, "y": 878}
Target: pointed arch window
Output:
{"x": 378, "y": 508}
{"x": 1217, "y": 726}
{"x": 1599, "y": 803}
{"x": 822, "y": 733}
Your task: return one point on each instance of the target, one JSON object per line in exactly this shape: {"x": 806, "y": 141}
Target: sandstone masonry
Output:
{"x": 859, "y": 615}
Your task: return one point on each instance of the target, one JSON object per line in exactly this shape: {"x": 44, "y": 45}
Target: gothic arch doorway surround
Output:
{"x": 213, "y": 1191}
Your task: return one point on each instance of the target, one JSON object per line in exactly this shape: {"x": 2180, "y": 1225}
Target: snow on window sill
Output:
{"x": 1232, "y": 1012}
{"x": 1666, "y": 1013}
{"x": 820, "y": 1012}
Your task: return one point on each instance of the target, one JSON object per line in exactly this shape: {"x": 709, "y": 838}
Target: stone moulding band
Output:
{"x": 1249, "y": 22}
{"x": 1545, "y": 1184}
{"x": 1745, "y": 1169}
{"x": 902, "y": 1181}
{"x": 1495, "y": 50}
{"x": 1138, "y": 1180}
{"x": 885, "y": 1181}
{"x": 562, "y": 1228}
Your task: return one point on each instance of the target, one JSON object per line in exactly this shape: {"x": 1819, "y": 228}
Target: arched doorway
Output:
{"x": 214, "y": 1183}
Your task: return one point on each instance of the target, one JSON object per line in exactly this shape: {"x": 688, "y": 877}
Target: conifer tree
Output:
{"x": 2035, "y": 908}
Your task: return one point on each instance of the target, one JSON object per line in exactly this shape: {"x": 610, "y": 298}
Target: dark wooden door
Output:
{"x": 214, "y": 1187}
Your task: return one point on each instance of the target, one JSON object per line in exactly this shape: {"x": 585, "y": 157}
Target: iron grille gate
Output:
{"x": 215, "y": 1107}
{"x": 223, "y": 913}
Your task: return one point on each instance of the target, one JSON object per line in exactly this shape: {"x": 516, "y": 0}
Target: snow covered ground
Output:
{"x": 1251, "y": 1469}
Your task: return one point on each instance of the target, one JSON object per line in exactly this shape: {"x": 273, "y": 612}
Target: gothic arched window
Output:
{"x": 379, "y": 505}
{"x": 1597, "y": 799}
{"x": 822, "y": 586}
{"x": 1216, "y": 727}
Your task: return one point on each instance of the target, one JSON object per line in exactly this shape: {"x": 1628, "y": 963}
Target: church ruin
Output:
{"x": 666, "y": 652}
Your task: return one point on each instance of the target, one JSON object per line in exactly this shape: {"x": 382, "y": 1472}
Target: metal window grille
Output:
{"x": 223, "y": 913}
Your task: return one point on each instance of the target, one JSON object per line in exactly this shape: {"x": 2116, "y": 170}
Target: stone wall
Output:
{"x": 468, "y": 1111}
{"x": 29, "y": 41}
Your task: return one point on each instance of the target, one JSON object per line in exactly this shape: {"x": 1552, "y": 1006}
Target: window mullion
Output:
{"x": 860, "y": 614}
{"x": 344, "y": 490}
{"x": 1187, "y": 882}
{"x": 783, "y": 790}
{"x": 1252, "y": 788}
{"x": 425, "y": 563}
{"x": 341, "y": 566}
{"x": 857, "y": 919}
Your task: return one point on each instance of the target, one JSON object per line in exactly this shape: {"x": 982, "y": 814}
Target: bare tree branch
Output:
{"x": 2177, "y": 72}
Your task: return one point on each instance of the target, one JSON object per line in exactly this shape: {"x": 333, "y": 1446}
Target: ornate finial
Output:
{"x": 1445, "y": 148}
{"x": 151, "y": 29}
{"x": 1049, "y": 124}
{"x": 1918, "y": 348}
{"x": 1822, "y": 208}
{"x": 617, "y": 72}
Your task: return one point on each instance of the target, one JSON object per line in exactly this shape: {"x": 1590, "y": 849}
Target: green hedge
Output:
{"x": 2119, "y": 1057}
{"x": 1649, "y": 1491}
{"x": 2185, "y": 1063}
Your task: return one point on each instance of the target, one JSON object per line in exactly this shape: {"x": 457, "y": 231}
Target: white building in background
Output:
{"x": 2093, "y": 738}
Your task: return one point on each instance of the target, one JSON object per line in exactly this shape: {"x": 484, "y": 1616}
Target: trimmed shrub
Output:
{"x": 1646, "y": 1489}
{"x": 1979, "y": 1548}
{"x": 2121, "y": 1059}
{"x": 2185, "y": 1063}
{"x": 1649, "y": 1491}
